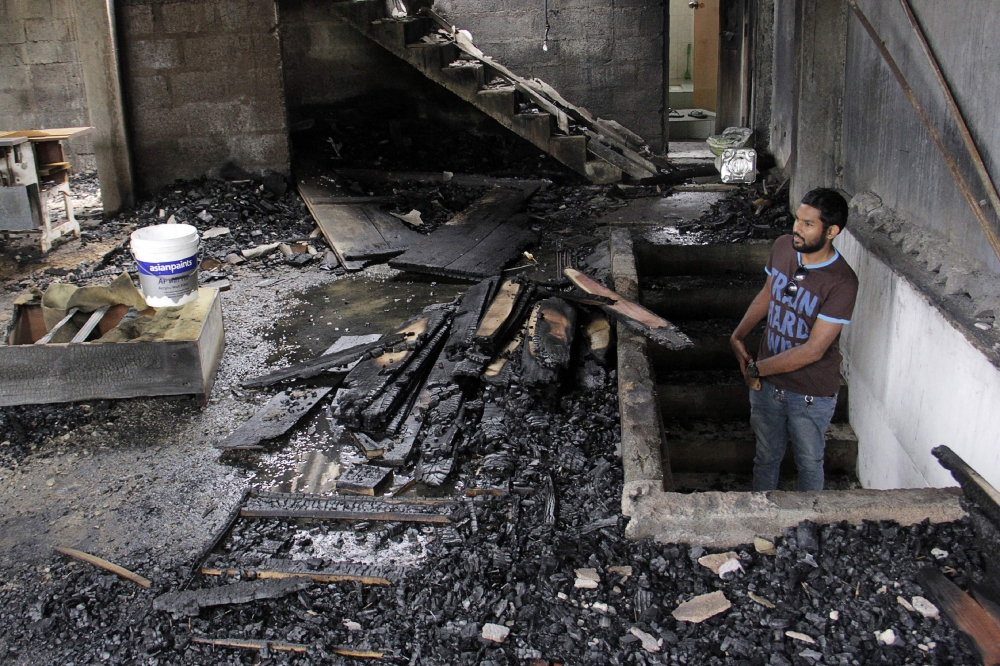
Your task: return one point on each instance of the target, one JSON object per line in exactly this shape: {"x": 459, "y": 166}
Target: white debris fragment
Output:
{"x": 561, "y": 596}
{"x": 412, "y": 218}
{"x": 905, "y": 604}
{"x": 716, "y": 560}
{"x": 586, "y": 578}
{"x": 811, "y": 654}
{"x": 757, "y": 599}
{"x": 764, "y": 547}
{"x": 205, "y": 216}
{"x": 447, "y": 175}
{"x": 939, "y": 554}
{"x": 649, "y": 644}
{"x": 729, "y": 567}
{"x": 623, "y": 571}
{"x": 702, "y": 607}
{"x": 888, "y": 636}
{"x": 495, "y": 632}
{"x": 926, "y": 608}
{"x": 260, "y": 250}
{"x": 171, "y": 220}
{"x": 600, "y": 607}
{"x": 352, "y": 625}
{"x": 834, "y": 615}
{"x": 213, "y": 232}
{"x": 805, "y": 638}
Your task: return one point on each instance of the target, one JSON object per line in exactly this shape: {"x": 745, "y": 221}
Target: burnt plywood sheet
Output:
{"x": 478, "y": 243}
{"x": 277, "y": 417}
{"x": 355, "y": 231}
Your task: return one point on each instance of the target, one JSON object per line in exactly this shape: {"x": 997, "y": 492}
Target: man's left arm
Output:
{"x": 821, "y": 336}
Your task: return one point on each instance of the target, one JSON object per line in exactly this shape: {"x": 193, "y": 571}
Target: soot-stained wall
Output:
{"x": 885, "y": 148}
{"x": 204, "y": 83}
{"x": 41, "y": 84}
{"x": 605, "y": 56}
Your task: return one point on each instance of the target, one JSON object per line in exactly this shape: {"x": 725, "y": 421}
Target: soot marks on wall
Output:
{"x": 204, "y": 83}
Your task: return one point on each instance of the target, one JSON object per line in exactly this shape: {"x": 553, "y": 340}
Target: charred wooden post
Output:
{"x": 549, "y": 342}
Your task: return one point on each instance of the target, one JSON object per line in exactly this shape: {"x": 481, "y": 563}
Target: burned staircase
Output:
{"x": 601, "y": 150}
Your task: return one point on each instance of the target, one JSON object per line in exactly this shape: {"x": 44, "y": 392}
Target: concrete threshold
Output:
{"x": 724, "y": 519}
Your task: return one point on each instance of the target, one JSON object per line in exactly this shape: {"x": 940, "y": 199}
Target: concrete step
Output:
{"x": 707, "y": 302}
{"x": 709, "y": 352}
{"x": 721, "y": 402}
{"x": 708, "y": 447}
{"x": 465, "y": 78}
{"x": 703, "y": 482}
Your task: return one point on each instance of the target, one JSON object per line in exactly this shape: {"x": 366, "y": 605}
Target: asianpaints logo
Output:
{"x": 171, "y": 268}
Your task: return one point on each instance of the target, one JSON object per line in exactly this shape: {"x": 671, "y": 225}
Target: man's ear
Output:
{"x": 832, "y": 232}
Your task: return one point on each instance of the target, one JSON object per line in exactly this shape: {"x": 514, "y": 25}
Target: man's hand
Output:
{"x": 743, "y": 356}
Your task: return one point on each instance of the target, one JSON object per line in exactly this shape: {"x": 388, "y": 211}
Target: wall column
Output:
{"x": 95, "y": 29}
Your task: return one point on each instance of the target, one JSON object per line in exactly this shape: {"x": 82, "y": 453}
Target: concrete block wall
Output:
{"x": 41, "y": 84}
{"x": 204, "y": 83}
{"x": 607, "y": 57}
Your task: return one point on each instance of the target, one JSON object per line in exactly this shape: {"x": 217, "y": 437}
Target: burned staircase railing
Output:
{"x": 599, "y": 149}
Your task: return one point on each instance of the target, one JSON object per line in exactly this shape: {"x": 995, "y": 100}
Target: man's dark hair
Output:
{"x": 831, "y": 205}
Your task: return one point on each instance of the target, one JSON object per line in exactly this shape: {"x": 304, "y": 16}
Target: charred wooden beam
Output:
{"x": 549, "y": 342}
{"x": 190, "y": 602}
{"x": 275, "y": 505}
{"x": 364, "y": 480}
{"x": 964, "y": 614}
{"x": 277, "y": 417}
{"x": 503, "y": 315}
{"x": 632, "y": 315}
{"x": 314, "y": 366}
{"x": 227, "y": 525}
{"x": 294, "y": 569}
{"x": 974, "y": 486}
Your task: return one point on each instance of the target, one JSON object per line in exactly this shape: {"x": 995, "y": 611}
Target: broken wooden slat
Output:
{"x": 227, "y": 525}
{"x": 369, "y": 447}
{"x": 503, "y": 315}
{"x": 364, "y": 480}
{"x": 102, "y": 563}
{"x": 975, "y": 487}
{"x": 294, "y": 569}
{"x": 608, "y": 154}
{"x": 350, "y": 508}
{"x": 47, "y": 338}
{"x": 251, "y": 644}
{"x": 314, "y": 366}
{"x": 190, "y": 602}
{"x": 448, "y": 244}
{"x": 549, "y": 341}
{"x": 965, "y": 614}
{"x": 632, "y": 315}
{"x": 276, "y": 418}
{"x": 494, "y": 252}
{"x": 95, "y": 319}
{"x": 597, "y": 330}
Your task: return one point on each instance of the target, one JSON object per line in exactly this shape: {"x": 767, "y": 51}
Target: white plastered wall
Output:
{"x": 915, "y": 383}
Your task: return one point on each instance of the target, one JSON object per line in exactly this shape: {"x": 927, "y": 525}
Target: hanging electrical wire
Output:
{"x": 545, "y": 40}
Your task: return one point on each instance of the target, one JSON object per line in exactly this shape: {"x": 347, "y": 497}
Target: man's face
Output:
{"x": 808, "y": 234}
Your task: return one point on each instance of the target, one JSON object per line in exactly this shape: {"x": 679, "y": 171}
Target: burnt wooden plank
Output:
{"x": 631, "y": 314}
{"x": 372, "y": 376}
{"x": 368, "y": 446}
{"x": 274, "y": 568}
{"x": 492, "y": 254}
{"x": 314, "y": 366}
{"x": 463, "y": 233}
{"x": 597, "y": 331}
{"x": 470, "y": 312}
{"x": 974, "y": 486}
{"x": 190, "y": 602}
{"x": 349, "y": 508}
{"x": 549, "y": 341}
{"x": 965, "y": 614}
{"x": 503, "y": 315}
{"x": 364, "y": 480}
{"x": 278, "y": 416}
{"x": 397, "y": 235}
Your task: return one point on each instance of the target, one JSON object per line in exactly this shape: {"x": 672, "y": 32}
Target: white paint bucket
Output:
{"x": 167, "y": 258}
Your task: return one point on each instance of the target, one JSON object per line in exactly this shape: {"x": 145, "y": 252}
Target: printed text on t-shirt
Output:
{"x": 786, "y": 325}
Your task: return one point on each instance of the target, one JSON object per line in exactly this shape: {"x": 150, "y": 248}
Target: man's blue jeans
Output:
{"x": 776, "y": 416}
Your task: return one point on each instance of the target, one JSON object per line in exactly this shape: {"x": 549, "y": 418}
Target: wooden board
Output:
{"x": 355, "y": 231}
{"x": 278, "y": 416}
{"x": 53, "y": 134}
{"x": 364, "y": 480}
{"x": 549, "y": 341}
{"x": 275, "y": 568}
{"x": 974, "y": 486}
{"x": 965, "y": 614}
{"x": 631, "y": 314}
{"x": 330, "y": 359}
{"x": 349, "y": 508}
{"x": 180, "y": 358}
{"x": 478, "y": 243}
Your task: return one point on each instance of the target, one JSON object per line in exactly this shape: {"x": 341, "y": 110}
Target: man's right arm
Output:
{"x": 754, "y": 315}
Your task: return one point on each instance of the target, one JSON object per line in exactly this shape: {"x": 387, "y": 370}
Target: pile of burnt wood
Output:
{"x": 410, "y": 394}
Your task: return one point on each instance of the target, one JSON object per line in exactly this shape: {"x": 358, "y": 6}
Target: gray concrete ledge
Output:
{"x": 726, "y": 520}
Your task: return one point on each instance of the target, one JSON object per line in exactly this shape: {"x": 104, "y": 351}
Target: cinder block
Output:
{"x": 47, "y": 30}
{"x": 188, "y": 17}
{"x": 260, "y": 152}
{"x": 156, "y": 54}
{"x": 12, "y": 55}
{"x": 265, "y": 116}
{"x": 45, "y": 53}
{"x": 13, "y": 79}
{"x": 206, "y": 118}
{"x": 36, "y": 9}
{"x": 137, "y": 20}
{"x": 148, "y": 91}
{"x": 200, "y": 86}
{"x": 203, "y": 153}
{"x": 12, "y": 32}
{"x": 155, "y": 124}
{"x": 246, "y": 15}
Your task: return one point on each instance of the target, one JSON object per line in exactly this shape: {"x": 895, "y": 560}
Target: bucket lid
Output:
{"x": 165, "y": 232}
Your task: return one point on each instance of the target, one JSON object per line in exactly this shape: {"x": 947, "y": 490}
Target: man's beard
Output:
{"x": 807, "y": 248}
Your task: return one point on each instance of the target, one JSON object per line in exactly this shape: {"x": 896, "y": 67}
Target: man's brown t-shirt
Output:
{"x": 828, "y": 292}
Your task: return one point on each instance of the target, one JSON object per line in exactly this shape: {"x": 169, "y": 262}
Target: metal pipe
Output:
{"x": 970, "y": 144}
{"x": 949, "y": 160}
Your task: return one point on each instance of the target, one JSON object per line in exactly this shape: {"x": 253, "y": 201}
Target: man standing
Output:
{"x": 808, "y": 297}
